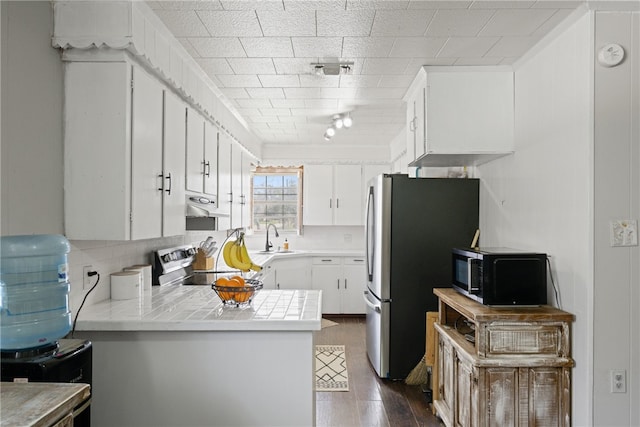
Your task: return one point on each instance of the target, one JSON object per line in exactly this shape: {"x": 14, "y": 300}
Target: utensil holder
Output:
{"x": 202, "y": 262}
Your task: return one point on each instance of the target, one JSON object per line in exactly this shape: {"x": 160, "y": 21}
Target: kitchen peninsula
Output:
{"x": 177, "y": 356}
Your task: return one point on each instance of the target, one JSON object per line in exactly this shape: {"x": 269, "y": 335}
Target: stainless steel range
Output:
{"x": 174, "y": 266}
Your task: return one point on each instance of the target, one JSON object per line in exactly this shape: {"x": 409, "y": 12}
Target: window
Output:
{"x": 277, "y": 198}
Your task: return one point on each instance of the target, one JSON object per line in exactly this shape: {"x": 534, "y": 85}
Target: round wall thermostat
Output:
{"x": 611, "y": 55}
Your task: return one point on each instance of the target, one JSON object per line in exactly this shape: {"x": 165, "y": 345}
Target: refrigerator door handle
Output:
{"x": 369, "y": 245}
{"x": 369, "y": 304}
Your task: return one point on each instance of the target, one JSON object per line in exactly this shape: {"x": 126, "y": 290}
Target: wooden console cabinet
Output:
{"x": 516, "y": 373}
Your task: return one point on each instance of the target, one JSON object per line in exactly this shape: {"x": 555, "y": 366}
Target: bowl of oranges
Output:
{"x": 236, "y": 290}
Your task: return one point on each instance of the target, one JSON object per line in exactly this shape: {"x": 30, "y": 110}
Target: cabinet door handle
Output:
{"x": 412, "y": 125}
{"x": 337, "y": 203}
{"x": 345, "y": 283}
{"x": 168, "y": 177}
{"x": 338, "y": 283}
{"x": 207, "y": 167}
{"x": 326, "y": 260}
{"x": 330, "y": 203}
{"x": 161, "y": 176}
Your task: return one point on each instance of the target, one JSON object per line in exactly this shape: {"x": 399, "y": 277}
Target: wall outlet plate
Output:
{"x": 623, "y": 232}
{"x": 86, "y": 280}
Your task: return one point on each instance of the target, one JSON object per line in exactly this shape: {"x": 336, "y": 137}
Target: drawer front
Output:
{"x": 354, "y": 260}
{"x": 325, "y": 260}
{"x": 542, "y": 340}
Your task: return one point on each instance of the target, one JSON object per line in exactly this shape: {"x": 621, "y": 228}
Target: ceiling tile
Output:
{"x": 435, "y": 4}
{"x": 188, "y": 47}
{"x": 557, "y": 4}
{"x": 257, "y": 92}
{"x": 321, "y": 103}
{"x": 252, "y": 65}
{"x": 275, "y": 111}
{"x": 261, "y": 119}
{"x": 360, "y": 47}
{"x": 359, "y": 81}
{"x": 479, "y": 61}
{"x": 317, "y": 46}
{"x": 312, "y": 113}
{"x": 217, "y": 47}
{"x": 401, "y": 22}
{"x": 339, "y": 93}
{"x": 384, "y": 65}
{"x": 231, "y": 23}
{"x": 454, "y": 23}
{"x": 416, "y": 63}
{"x": 292, "y": 119}
{"x": 187, "y": 5}
{"x": 345, "y": 23}
{"x": 474, "y": 47}
{"x": 402, "y": 81}
{"x": 248, "y": 112}
{"x": 234, "y": 93}
{"x": 502, "y": 4}
{"x": 375, "y": 4}
{"x": 516, "y": 22}
{"x": 276, "y": 80}
{"x": 265, "y": 47}
{"x": 512, "y": 46}
{"x": 409, "y": 47}
{"x": 290, "y": 23}
{"x": 293, "y": 65}
{"x": 314, "y": 4}
{"x": 239, "y": 80}
{"x": 214, "y": 65}
{"x": 307, "y": 92}
{"x": 182, "y": 23}
{"x": 552, "y": 22}
{"x": 288, "y": 103}
{"x": 251, "y": 4}
{"x": 280, "y": 125}
{"x": 254, "y": 103}
{"x": 377, "y": 92}
{"x": 311, "y": 80}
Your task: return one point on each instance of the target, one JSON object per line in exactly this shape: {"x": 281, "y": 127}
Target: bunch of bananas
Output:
{"x": 236, "y": 255}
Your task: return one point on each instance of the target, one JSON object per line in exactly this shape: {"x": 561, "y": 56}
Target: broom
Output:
{"x": 418, "y": 375}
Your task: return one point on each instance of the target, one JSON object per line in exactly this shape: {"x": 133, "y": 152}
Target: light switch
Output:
{"x": 624, "y": 232}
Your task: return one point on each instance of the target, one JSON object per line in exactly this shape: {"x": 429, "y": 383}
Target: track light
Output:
{"x": 347, "y": 121}
{"x": 331, "y": 131}
{"x": 338, "y": 121}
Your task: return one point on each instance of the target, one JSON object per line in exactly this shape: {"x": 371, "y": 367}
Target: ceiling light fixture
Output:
{"x": 338, "y": 121}
{"x": 332, "y": 68}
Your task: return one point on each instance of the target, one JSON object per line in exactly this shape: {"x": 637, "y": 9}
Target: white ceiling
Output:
{"x": 259, "y": 54}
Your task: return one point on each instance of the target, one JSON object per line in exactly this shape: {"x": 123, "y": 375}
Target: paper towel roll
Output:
{"x": 126, "y": 285}
{"x": 145, "y": 270}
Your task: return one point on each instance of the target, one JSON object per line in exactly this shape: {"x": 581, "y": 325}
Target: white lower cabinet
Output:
{"x": 286, "y": 274}
{"x": 342, "y": 280}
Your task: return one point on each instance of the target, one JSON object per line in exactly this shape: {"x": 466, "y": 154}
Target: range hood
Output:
{"x": 203, "y": 207}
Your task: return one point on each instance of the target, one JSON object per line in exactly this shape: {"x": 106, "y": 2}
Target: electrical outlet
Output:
{"x": 86, "y": 280}
{"x": 619, "y": 381}
{"x": 623, "y": 232}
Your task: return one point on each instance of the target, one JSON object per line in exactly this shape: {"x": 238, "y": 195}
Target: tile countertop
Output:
{"x": 198, "y": 308}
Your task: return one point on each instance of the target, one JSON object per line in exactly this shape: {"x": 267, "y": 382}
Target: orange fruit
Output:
{"x": 222, "y": 281}
{"x": 235, "y": 282}
{"x": 239, "y": 279}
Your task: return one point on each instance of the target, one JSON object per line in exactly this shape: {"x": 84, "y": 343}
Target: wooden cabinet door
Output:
{"x": 195, "y": 151}
{"x": 210, "y": 159}
{"x": 173, "y": 158}
{"x": 354, "y": 272}
{"x": 446, "y": 380}
{"x": 466, "y": 412}
{"x": 347, "y": 185}
{"x": 318, "y": 195}
{"x": 500, "y": 391}
{"x": 146, "y": 156}
{"x": 549, "y": 399}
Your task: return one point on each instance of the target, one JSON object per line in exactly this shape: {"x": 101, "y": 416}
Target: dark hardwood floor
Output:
{"x": 370, "y": 401}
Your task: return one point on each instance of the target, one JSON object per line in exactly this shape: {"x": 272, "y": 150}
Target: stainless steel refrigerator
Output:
{"x": 411, "y": 226}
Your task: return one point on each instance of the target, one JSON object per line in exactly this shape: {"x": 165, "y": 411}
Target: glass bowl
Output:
{"x": 238, "y": 295}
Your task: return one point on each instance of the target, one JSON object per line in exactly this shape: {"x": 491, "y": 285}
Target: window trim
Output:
{"x": 280, "y": 170}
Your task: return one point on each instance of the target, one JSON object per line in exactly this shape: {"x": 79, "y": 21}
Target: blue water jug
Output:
{"x": 34, "y": 291}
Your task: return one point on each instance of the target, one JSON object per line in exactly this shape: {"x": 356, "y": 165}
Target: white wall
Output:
{"x": 540, "y": 198}
{"x": 617, "y": 196}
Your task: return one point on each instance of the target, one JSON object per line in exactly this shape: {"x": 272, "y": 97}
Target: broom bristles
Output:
{"x": 419, "y": 374}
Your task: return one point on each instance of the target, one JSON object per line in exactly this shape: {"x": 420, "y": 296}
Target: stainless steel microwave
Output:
{"x": 500, "y": 276}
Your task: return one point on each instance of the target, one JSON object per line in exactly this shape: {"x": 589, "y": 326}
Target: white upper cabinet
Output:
{"x": 236, "y": 187}
{"x": 202, "y": 154}
{"x": 210, "y": 162}
{"x": 114, "y": 126}
{"x": 225, "y": 191}
{"x": 173, "y": 165}
{"x": 332, "y": 195}
{"x": 460, "y": 116}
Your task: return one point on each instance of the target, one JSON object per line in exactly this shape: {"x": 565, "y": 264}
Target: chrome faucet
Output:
{"x": 268, "y": 245}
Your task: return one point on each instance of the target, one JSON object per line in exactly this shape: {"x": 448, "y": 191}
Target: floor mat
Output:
{"x": 331, "y": 368}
